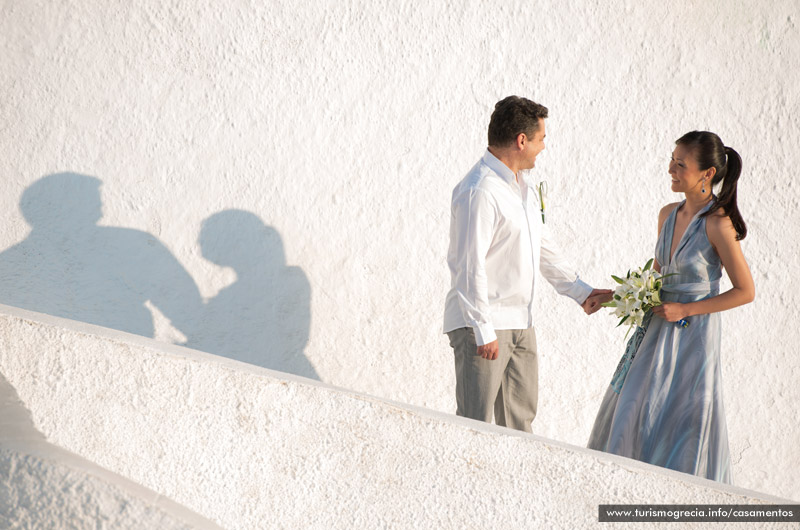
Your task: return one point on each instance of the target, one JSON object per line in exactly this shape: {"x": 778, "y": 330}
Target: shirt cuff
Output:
{"x": 580, "y": 291}
{"x": 484, "y": 334}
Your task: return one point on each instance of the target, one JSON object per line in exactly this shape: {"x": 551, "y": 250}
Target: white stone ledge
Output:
{"x": 44, "y": 486}
{"x": 251, "y": 448}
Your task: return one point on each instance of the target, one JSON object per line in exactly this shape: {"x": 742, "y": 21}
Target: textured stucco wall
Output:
{"x": 275, "y": 180}
{"x": 44, "y": 492}
{"x": 252, "y": 448}
{"x": 44, "y": 486}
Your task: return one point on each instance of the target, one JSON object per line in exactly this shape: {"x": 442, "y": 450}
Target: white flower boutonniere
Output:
{"x": 542, "y": 189}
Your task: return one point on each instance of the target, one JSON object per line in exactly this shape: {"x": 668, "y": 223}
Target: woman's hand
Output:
{"x": 671, "y": 311}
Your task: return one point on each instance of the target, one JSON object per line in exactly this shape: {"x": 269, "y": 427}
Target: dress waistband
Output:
{"x": 692, "y": 288}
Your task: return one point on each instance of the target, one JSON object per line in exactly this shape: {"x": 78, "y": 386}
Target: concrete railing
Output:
{"x": 49, "y": 488}
{"x": 45, "y": 486}
{"x": 250, "y": 448}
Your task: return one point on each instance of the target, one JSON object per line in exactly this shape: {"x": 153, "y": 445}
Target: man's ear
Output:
{"x": 522, "y": 139}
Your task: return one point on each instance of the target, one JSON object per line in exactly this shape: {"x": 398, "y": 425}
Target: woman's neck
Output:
{"x": 696, "y": 202}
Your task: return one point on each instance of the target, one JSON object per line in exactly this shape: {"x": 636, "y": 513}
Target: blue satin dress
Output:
{"x": 669, "y": 411}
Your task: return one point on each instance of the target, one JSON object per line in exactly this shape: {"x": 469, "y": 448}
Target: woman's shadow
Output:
{"x": 264, "y": 317}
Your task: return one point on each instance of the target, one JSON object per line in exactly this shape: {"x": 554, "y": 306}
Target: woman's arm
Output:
{"x": 722, "y": 236}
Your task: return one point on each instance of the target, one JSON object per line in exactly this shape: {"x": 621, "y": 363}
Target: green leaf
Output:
{"x": 622, "y": 321}
{"x": 618, "y": 280}
{"x": 628, "y": 332}
{"x": 649, "y": 263}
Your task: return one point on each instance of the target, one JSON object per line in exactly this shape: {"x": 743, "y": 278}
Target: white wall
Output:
{"x": 46, "y": 493}
{"x": 45, "y": 486}
{"x": 321, "y": 142}
{"x": 252, "y": 448}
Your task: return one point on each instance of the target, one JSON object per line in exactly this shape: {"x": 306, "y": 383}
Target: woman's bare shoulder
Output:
{"x": 666, "y": 210}
{"x": 664, "y": 213}
{"x": 718, "y": 223}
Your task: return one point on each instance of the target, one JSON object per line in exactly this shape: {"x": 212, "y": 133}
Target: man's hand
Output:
{"x": 489, "y": 351}
{"x": 595, "y": 298}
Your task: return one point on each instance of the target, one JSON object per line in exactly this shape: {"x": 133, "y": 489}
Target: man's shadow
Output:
{"x": 68, "y": 266}
{"x": 263, "y": 318}
{"x": 71, "y": 267}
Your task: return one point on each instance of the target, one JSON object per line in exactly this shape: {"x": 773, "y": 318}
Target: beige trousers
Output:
{"x": 507, "y": 386}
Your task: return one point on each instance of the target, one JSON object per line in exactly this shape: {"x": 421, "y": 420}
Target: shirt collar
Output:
{"x": 499, "y": 167}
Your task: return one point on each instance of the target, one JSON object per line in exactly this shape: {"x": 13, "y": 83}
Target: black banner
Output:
{"x": 699, "y": 513}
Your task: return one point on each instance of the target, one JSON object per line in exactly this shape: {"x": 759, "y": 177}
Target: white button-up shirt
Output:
{"x": 497, "y": 241}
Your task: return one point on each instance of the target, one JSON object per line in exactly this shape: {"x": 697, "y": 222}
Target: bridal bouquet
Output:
{"x": 636, "y": 294}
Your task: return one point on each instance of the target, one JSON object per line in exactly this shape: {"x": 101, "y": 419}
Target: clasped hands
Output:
{"x": 669, "y": 311}
{"x": 595, "y": 299}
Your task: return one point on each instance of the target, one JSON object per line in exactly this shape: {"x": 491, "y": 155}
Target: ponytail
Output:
{"x": 726, "y": 199}
{"x": 710, "y": 152}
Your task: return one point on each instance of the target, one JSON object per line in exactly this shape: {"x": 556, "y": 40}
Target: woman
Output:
{"x": 668, "y": 408}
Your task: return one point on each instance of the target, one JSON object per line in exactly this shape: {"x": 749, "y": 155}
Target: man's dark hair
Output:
{"x": 514, "y": 115}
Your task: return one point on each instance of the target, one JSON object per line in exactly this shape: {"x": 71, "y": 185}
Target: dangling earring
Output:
{"x": 704, "y": 186}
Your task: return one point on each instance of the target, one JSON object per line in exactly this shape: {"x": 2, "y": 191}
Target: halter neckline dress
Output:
{"x": 668, "y": 411}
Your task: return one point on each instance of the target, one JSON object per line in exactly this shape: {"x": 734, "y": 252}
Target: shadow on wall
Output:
{"x": 16, "y": 422}
{"x": 68, "y": 266}
{"x": 264, "y": 317}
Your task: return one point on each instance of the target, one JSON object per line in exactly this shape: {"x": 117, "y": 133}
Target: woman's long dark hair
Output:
{"x": 709, "y": 151}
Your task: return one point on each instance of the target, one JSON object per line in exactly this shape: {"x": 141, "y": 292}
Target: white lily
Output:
{"x": 636, "y": 294}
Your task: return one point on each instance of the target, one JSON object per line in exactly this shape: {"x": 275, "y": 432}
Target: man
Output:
{"x": 497, "y": 241}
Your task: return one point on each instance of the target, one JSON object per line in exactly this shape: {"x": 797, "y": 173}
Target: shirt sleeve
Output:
{"x": 558, "y": 270}
{"x": 474, "y": 218}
